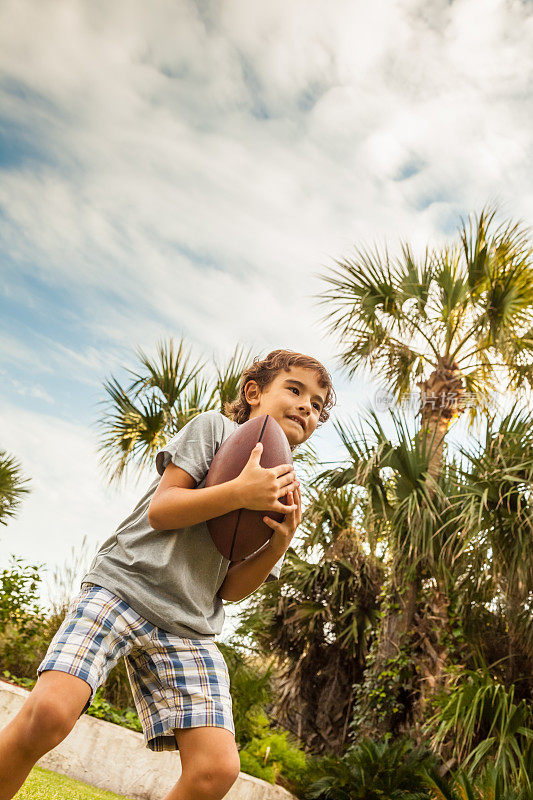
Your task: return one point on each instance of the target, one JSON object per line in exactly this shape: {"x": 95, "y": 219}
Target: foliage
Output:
{"x": 469, "y": 304}
{"x": 317, "y": 619}
{"x": 385, "y": 692}
{"x": 102, "y": 709}
{"x": 251, "y": 692}
{"x": 489, "y": 785}
{"x": 19, "y": 604}
{"x": 26, "y": 683}
{"x": 165, "y": 393}
{"x": 12, "y": 486}
{"x": 458, "y": 324}
{"x": 373, "y": 770}
{"x": 495, "y": 508}
{"x": 273, "y": 757}
{"x": 23, "y": 623}
{"x": 479, "y": 715}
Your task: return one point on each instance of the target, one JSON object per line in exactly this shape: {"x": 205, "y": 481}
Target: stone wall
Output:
{"x": 115, "y": 758}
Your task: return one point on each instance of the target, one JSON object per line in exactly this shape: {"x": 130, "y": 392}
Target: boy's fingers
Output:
{"x": 281, "y": 469}
{"x": 255, "y": 455}
{"x": 286, "y": 509}
{"x": 288, "y": 480}
{"x": 290, "y": 498}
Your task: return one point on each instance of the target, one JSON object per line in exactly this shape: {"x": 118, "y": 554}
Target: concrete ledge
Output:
{"x": 114, "y": 758}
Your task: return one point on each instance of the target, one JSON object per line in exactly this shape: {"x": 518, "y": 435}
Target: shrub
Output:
{"x": 251, "y": 692}
{"x": 486, "y": 724}
{"x": 391, "y": 770}
{"x": 276, "y": 759}
{"x": 24, "y": 632}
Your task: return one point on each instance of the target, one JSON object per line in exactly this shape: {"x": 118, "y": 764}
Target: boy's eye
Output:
{"x": 293, "y": 388}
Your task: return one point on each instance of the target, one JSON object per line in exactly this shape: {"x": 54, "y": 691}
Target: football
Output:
{"x": 240, "y": 533}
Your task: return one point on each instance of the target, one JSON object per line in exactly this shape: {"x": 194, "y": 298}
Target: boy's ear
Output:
{"x": 251, "y": 390}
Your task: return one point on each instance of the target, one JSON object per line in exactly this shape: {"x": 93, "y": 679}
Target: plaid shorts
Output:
{"x": 176, "y": 682}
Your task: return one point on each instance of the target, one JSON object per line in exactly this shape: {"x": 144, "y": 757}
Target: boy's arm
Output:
{"x": 177, "y": 504}
{"x": 246, "y": 576}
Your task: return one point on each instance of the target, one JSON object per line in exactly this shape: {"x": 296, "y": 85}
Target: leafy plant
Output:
{"x": 251, "y": 692}
{"x": 12, "y": 486}
{"x": 381, "y": 770}
{"x": 23, "y": 623}
{"x": 479, "y": 715}
{"x": 274, "y": 758}
{"x": 102, "y": 709}
{"x": 490, "y": 785}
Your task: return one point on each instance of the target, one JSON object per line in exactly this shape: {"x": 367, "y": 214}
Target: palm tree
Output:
{"x": 457, "y": 323}
{"x": 164, "y": 394}
{"x": 12, "y": 486}
{"x": 416, "y": 532}
{"x": 495, "y": 508}
{"x": 471, "y": 538}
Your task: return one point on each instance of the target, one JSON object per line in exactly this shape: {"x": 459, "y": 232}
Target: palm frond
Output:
{"x": 485, "y": 722}
{"x": 133, "y": 429}
{"x": 12, "y": 486}
{"x": 169, "y": 373}
{"x": 474, "y": 235}
{"x": 228, "y": 375}
{"x": 414, "y": 281}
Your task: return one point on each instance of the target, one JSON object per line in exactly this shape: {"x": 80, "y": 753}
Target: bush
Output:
{"x": 274, "y": 758}
{"x": 251, "y": 692}
{"x": 24, "y": 629}
{"x": 391, "y": 770}
{"x": 486, "y": 724}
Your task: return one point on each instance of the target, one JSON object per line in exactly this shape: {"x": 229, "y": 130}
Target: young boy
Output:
{"x": 154, "y": 591}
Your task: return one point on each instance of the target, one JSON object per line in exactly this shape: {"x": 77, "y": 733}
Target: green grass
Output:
{"x": 42, "y": 784}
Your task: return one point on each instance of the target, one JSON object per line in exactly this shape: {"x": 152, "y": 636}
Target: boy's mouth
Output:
{"x": 297, "y": 419}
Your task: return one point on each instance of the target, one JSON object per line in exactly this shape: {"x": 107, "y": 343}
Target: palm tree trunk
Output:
{"x": 398, "y": 621}
{"x": 440, "y": 402}
{"x": 431, "y": 622}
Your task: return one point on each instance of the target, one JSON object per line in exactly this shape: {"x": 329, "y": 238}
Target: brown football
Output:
{"x": 240, "y": 533}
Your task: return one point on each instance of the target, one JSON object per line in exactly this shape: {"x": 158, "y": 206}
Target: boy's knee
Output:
{"x": 48, "y": 722}
{"x": 218, "y": 777}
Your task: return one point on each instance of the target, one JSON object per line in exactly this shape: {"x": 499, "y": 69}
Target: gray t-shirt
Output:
{"x": 171, "y": 578}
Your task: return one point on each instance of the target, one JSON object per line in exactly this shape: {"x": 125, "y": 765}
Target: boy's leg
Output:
{"x": 45, "y": 719}
{"x": 181, "y": 689}
{"x": 210, "y": 763}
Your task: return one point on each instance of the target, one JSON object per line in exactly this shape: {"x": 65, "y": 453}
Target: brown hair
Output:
{"x": 263, "y": 373}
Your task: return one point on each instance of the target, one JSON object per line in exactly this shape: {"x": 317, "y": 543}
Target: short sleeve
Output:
{"x": 194, "y": 446}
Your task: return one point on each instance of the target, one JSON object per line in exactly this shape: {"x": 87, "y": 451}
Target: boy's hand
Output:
{"x": 260, "y": 488}
{"x": 284, "y": 531}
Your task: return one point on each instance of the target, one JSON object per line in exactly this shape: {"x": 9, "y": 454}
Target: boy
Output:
{"x": 154, "y": 592}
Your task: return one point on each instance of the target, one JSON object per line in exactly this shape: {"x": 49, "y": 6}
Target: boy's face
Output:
{"x": 294, "y": 398}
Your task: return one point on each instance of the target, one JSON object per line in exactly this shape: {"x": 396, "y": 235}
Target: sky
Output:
{"x": 193, "y": 169}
